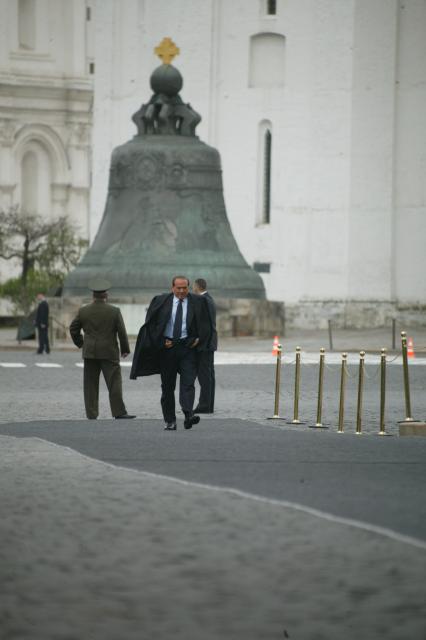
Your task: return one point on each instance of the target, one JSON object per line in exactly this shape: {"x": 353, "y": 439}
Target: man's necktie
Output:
{"x": 177, "y": 327}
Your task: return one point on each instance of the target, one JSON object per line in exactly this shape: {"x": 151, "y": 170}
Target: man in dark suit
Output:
{"x": 205, "y": 359}
{"x": 176, "y": 326}
{"x": 42, "y": 323}
{"x": 101, "y": 323}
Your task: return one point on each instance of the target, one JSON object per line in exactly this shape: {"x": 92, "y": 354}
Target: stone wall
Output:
{"x": 353, "y": 314}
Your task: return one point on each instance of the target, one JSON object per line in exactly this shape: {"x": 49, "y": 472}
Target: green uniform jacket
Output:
{"x": 101, "y": 323}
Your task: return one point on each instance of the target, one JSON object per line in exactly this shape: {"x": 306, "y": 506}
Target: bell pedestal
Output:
{"x": 235, "y": 316}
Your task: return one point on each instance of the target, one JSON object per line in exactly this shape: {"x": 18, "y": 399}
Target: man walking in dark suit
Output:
{"x": 176, "y": 325}
{"x": 42, "y": 323}
{"x": 205, "y": 359}
{"x": 101, "y": 323}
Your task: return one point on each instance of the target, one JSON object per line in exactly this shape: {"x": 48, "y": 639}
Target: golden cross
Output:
{"x": 167, "y": 50}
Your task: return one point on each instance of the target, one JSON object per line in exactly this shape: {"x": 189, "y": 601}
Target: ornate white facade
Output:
{"x": 316, "y": 106}
{"x": 46, "y": 98}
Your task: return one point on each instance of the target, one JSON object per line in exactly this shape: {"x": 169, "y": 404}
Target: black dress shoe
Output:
{"x": 191, "y": 420}
{"x": 170, "y": 426}
{"x": 125, "y": 416}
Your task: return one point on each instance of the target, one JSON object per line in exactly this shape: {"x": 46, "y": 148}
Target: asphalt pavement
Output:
{"x": 375, "y": 481}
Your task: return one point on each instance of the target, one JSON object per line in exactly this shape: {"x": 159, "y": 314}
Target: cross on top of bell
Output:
{"x": 167, "y": 50}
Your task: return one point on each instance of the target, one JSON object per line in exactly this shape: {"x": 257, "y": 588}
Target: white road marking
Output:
{"x": 14, "y": 365}
{"x": 79, "y": 364}
{"x": 47, "y": 365}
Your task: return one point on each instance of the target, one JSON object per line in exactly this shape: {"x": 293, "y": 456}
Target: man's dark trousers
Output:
{"x": 43, "y": 339}
{"x": 112, "y": 373}
{"x": 177, "y": 359}
{"x": 206, "y": 378}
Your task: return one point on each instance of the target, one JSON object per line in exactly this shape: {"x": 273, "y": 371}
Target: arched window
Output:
{"x": 27, "y": 24}
{"x": 267, "y": 51}
{"x": 263, "y": 215}
{"x": 36, "y": 179}
{"x": 29, "y": 183}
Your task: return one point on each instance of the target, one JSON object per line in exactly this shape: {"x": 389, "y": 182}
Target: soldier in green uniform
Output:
{"x": 101, "y": 323}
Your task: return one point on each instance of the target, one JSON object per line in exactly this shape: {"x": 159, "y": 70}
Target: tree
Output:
{"x": 46, "y": 251}
{"x": 52, "y": 246}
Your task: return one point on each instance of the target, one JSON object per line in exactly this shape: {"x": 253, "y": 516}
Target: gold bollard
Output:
{"x": 342, "y": 394}
{"x": 382, "y": 431}
{"x": 408, "y": 417}
{"x": 319, "y": 424}
{"x": 276, "y": 415}
{"x": 296, "y": 390}
{"x": 360, "y": 390}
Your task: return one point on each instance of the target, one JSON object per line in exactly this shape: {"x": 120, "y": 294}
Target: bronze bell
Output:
{"x": 165, "y": 212}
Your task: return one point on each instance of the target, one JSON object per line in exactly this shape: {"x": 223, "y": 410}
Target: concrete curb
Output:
{"x": 412, "y": 429}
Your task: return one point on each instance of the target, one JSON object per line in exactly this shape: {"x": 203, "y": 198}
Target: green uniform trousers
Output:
{"x": 112, "y": 373}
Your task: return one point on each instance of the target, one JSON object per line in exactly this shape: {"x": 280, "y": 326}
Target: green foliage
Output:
{"x": 23, "y": 296}
{"x": 53, "y": 247}
{"x": 45, "y": 250}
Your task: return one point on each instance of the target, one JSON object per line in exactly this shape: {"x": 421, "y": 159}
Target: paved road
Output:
{"x": 378, "y": 481}
{"x": 243, "y": 391}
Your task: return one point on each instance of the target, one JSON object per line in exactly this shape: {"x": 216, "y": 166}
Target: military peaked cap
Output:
{"x": 98, "y": 285}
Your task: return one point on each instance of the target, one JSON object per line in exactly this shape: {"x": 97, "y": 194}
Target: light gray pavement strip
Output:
{"x": 378, "y": 481}
{"x": 310, "y": 341}
{"x": 92, "y": 551}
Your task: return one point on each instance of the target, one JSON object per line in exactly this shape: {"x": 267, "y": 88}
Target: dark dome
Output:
{"x": 166, "y": 79}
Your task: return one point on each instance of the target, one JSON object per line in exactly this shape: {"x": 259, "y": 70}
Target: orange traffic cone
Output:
{"x": 410, "y": 348}
{"x": 275, "y": 346}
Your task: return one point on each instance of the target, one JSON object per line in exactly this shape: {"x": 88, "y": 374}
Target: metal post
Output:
{"x": 382, "y": 431}
{"x": 342, "y": 394}
{"x": 318, "y": 423}
{"x": 360, "y": 391}
{"x": 393, "y": 334}
{"x": 276, "y": 415}
{"x": 408, "y": 417}
{"x": 296, "y": 389}
{"x": 330, "y": 336}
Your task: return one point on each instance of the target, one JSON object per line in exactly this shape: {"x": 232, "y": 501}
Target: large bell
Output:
{"x": 165, "y": 213}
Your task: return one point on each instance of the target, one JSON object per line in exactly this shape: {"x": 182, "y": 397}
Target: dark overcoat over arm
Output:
{"x": 146, "y": 361}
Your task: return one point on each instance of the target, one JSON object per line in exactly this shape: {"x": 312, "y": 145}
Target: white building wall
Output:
{"x": 372, "y": 150}
{"x": 409, "y": 255}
